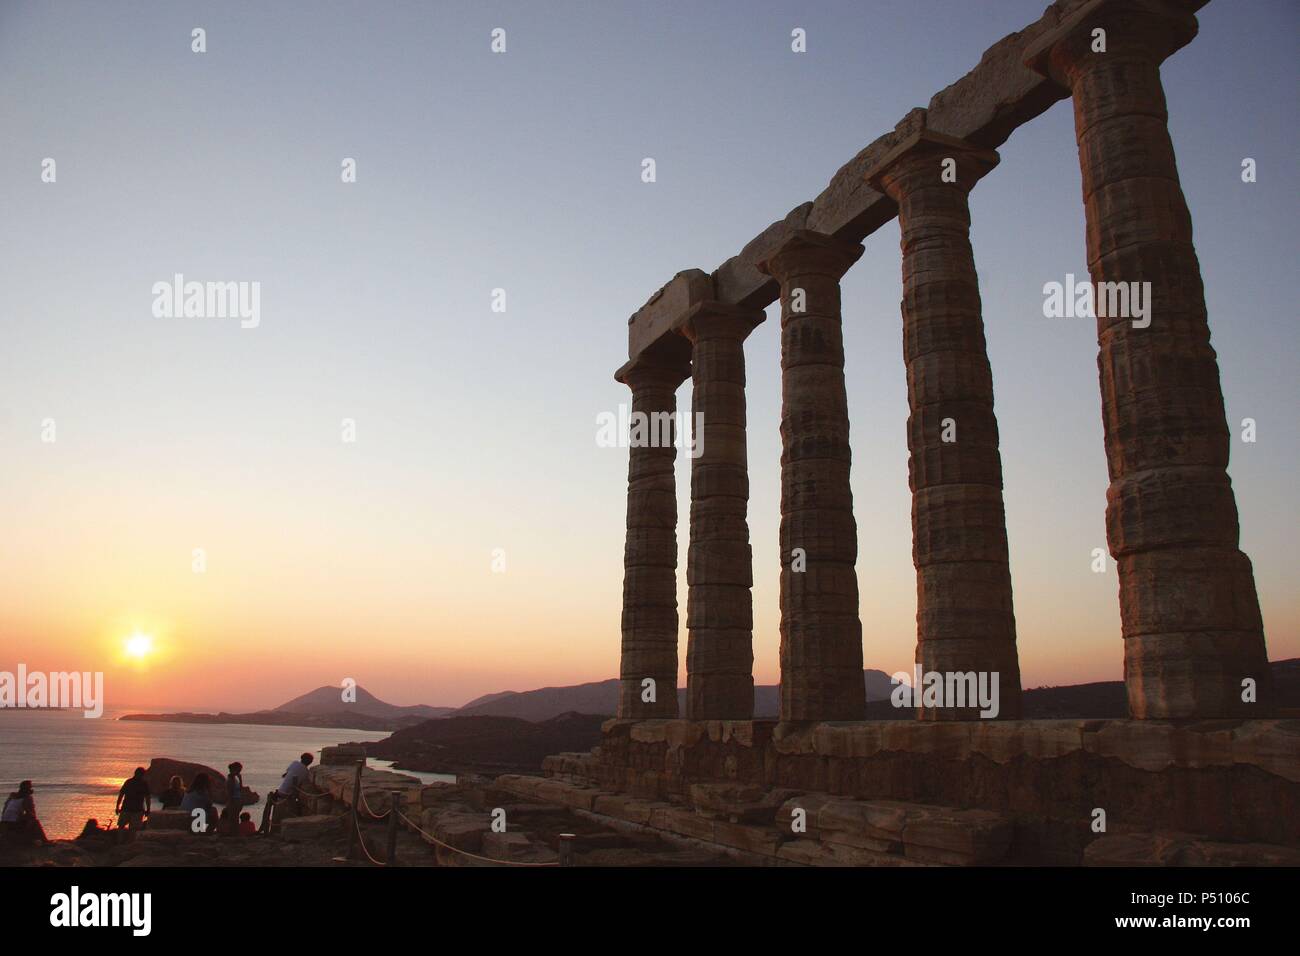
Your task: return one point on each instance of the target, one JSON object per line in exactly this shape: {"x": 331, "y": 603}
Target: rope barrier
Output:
{"x": 370, "y": 812}
{"x": 362, "y": 841}
{"x": 365, "y": 804}
{"x": 473, "y": 856}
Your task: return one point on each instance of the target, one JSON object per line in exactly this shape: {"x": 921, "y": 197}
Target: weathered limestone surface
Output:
{"x": 342, "y": 755}
{"x": 849, "y": 208}
{"x": 458, "y": 829}
{"x": 650, "y": 556}
{"x": 664, "y": 309}
{"x": 719, "y": 568}
{"x": 339, "y": 782}
{"x": 965, "y": 622}
{"x": 1189, "y": 610}
{"x": 831, "y": 831}
{"x": 739, "y": 280}
{"x": 1225, "y": 780}
{"x": 1183, "y": 849}
{"x": 821, "y": 635}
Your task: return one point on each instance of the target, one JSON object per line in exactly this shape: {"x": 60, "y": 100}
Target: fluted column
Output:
{"x": 964, "y": 617}
{"x": 821, "y": 635}
{"x": 719, "y": 567}
{"x": 650, "y": 556}
{"x": 1192, "y": 627}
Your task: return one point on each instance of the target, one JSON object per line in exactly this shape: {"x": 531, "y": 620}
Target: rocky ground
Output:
{"x": 459, "y": 817}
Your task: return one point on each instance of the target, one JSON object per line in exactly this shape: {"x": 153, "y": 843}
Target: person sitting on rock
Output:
{"x": 133, "y": 801}
{"x": 93, "y": 835}
{"x": 246, "y": 825}
{"x": 293, "y": 779}
{"x": 198, "y": 798}
{"x": 171, "y": 797}
{"x": 19, "y": 816}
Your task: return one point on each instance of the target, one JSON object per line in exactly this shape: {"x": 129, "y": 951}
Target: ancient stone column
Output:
{"x": 821, "y": 635}
{"x": 964, "y": 618}
{"x": 1192, "y": 628}
{"x": 719, "y": 567}
{"x": 650, "y": 555}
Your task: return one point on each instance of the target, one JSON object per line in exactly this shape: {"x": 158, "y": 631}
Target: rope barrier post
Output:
{"x": 566, "y": 849}
{"x": 394, "y": 809}
{"x": 355, "y": 831}
{"x": 265, "y": 826}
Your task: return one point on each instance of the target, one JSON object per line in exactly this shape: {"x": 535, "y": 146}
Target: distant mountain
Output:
{"x": 322, "y": 707}
{"x": 601, "y": 697}
{"x": 486, "y": 699}
{"x": 329, "y": 700}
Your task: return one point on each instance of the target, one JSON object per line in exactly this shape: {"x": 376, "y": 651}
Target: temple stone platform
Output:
{"x": 1222, "y": 792}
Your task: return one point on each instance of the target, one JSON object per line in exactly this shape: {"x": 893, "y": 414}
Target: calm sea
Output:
{"x": 77, "y": 765}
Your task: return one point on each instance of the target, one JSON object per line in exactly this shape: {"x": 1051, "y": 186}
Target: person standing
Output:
{"x": 234, "y": 797}
{"x": 133, "y": 801}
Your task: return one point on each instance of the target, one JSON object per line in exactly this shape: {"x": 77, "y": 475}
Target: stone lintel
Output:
{"x": 1004, "y": 91}
{"x": 739, "y": 280}
{"x": 927, "y": 142}
{"x": 850, "y": 210}
{"x": 1178, "y": 30}
{"x": 654, "y": 320}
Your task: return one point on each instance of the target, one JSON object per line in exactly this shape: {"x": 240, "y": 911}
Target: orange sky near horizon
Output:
{"x": 277, "y": 614}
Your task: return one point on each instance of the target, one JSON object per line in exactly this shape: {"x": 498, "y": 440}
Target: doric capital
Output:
{"x": 1151, "y": 29}
{"x": 923, "y": 159}
{"x": 656, "y": 369}
{"x": 807, "y": 252}
{"x": 714, "y": 319}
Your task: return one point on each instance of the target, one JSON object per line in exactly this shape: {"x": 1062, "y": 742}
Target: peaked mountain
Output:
{"x": 329, "y": 700}
{"x": 601, "y": 697}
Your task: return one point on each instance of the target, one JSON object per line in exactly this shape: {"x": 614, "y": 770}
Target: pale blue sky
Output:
{"x": 476, "y": 429}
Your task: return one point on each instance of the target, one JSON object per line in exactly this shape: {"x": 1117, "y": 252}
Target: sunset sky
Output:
{"x": 475, "y": 430}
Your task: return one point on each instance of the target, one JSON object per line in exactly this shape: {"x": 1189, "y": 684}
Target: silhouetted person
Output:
{"x": 18, "y": 819}
{"x": 294, "y": 778}
{"x": 132, "y": 801}
{"x": 246, "y": 825}
{"x": 199, "y": 797}
{"x": 171, "y": 797}
{"x": 93, "y": 835}
{"x": 234, "y": 797}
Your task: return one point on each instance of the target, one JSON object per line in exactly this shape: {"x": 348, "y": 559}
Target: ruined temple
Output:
{"x": 1200, "y": 773}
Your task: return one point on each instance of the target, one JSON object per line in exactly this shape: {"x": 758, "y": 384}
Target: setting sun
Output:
{"x": 139, "y": 645}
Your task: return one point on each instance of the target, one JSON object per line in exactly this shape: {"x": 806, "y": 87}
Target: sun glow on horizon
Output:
{"x": 139, "y": 646}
